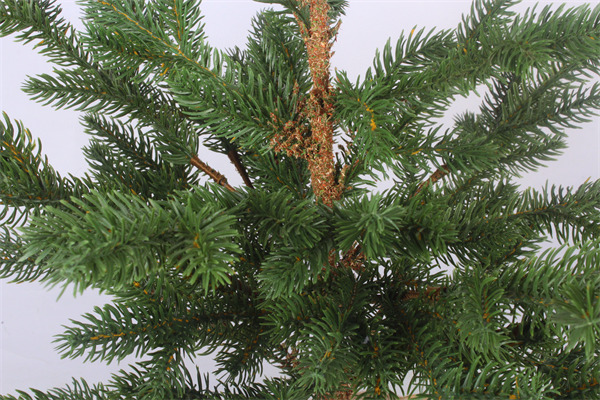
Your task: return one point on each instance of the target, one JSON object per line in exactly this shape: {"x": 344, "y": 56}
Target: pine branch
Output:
{"x": 40, "y": 21}
{"x": 131, "y": 143}
{"x": 78, "y": 390}
{"x": 27, "y": 181}
{"x": 12, "y": 263}
{"x": 128, "y": 233}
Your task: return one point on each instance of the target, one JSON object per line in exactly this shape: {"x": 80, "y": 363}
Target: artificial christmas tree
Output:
{"x": 307, "y": 266}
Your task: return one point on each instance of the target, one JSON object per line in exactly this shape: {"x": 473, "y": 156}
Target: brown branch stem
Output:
{"x": 234, "y": 157}
{"x": 214, "y": 174}
{"x": 440, "y": 173}
{"x": 432, "y": 293}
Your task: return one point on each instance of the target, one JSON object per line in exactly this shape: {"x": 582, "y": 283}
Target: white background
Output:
{"x": 30, "y": 315}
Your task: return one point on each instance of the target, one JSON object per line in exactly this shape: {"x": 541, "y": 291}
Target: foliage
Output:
{"x": 306, "y": 266}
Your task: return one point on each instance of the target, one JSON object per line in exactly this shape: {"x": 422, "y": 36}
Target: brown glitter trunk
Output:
{"x": 318, "y": 40}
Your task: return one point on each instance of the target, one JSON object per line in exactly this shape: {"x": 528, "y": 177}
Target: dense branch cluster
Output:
{"x": 349, "y": 291}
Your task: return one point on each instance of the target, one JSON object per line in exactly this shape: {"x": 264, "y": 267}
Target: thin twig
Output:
{"x": 234, "y": 157}
{"x": 215, "y": 175}
{"x": 432, "y": 293}
{"x": 436, "y": 176}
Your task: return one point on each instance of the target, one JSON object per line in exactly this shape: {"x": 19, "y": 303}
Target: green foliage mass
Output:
{"x": 348, "y": 297}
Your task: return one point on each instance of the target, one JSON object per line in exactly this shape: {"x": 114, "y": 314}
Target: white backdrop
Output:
{"x": 30, "y": 315}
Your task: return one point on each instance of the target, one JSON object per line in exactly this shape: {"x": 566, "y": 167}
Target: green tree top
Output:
{"x": 306, "y": 265}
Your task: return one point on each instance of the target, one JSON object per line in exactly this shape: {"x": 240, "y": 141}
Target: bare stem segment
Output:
{"x": 214, "y": 174}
